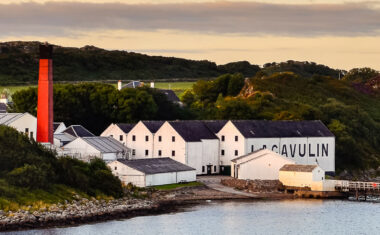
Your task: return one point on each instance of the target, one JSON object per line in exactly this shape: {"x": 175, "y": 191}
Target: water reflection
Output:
{"x": 261, "y": 217}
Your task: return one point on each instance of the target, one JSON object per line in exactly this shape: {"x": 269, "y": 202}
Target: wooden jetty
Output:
{"x": 358, "y": 189}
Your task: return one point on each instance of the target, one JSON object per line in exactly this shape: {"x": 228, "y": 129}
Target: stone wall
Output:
{"x": 254, "y": 185}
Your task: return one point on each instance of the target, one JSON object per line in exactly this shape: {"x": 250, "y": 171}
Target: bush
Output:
{"x": 29, "y": 176}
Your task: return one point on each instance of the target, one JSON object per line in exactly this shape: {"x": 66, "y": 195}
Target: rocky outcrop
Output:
{"x": 77, "y": 212}
{"x": 254, "y": 185}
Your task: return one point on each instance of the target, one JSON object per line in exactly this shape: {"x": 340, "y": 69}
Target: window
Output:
{"x": 236, "y": 138}
{"x": 173, "y": 153}
{"x": 26, "y": 130}
{"x": 222, "y": 152}
{"x": 159, "y": 153}
{"x": 146, "y": 138}
{"x": 121, "y": 138}
{"x": 146, "y": 152}
{"x": 173, "y": 138}
{"x": 115, "y": 168}
{"x": 214, "y": 168}
{"x": 236, "y": 153}
{"x": 133, "y": 138}
{"x": 159, "y": 138}
{"x": 203, "y": 168}
{"x": 222, "y": 137}
{"x": 252, "y": 148}
{"x": 133, "y": 152}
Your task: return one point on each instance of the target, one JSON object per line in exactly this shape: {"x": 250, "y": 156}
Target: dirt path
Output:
{"x": 214, "y": 182}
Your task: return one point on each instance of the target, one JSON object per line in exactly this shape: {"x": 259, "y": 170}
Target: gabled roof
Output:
{"x": 156, "y": 165}
{"x": 78, "y": 131}
{"x": 170, "y": 95}
{"x": 132, "y": 84}
{"x": 153, "y": 126}
{"x": 8, "y": 118}
{"x": 3, "y": 108}
{"x": 267, "y": 129}
{"x": 56, "y": 125}
{"x": 125, "y": 127}
{"x": 105, "y": 144}
{"x": 215, "y": 125}
{"x": 260, "y": 153}
{"x": 192, "y": 131}
{"x": 64, "y": 137}
{"x": 297, "y": 167}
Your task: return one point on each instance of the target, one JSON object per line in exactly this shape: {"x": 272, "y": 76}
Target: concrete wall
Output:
{"x": 26, "y": 121}
{"x": 127, "y": 174}
{"x": 265, "y": 167}
{"x": 210, "y": 154}
{"x": 194, "y": 156}
{"x": 115, "y": 132}
{"x": 140, "y": 144}
{"x": 187, "y": 176}
{"x": 229, "y": 145}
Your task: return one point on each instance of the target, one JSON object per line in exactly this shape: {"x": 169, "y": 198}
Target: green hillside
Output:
{"x": 19, "y": 65}
{"x": 30, "y": 175}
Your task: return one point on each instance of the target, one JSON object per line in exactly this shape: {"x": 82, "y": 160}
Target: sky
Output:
{"x": 342, "y": 34}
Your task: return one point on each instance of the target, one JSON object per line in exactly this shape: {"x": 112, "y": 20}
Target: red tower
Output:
{"x": 45, "y": 96}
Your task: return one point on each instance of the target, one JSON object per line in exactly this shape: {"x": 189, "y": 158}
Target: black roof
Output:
{"x": 170, "y": 94}
{"x": 156, "y": 165}
{"x": 153, "y": 126}
{"x": 3, "y": 108}
{"x": 193, "y": 131}
{"x": 215, "y": 125}
{"x": 267, "y": 129}
{"x": 78, "y": 131}
{"x": 125, "y": 127}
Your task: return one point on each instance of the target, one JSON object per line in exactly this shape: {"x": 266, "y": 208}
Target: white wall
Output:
{"x": 161, "y": 179}
{"x": 166, "y": 145}
{"x": 264, "y": 167}
{"x": 127, "y": 174}
{"x": 81, "y": 150}
{"x": 229, "y": 145}
{"x": 210, "y": 154}
{"x": 303, "y": 150}
{"x": 187, "y": 176}
{"x": 140, "y": 145}
{"x": 115, "y": 132}
{"x": 26, "y": 121}
{"x": 194, "y": 157}
{"x": 296, "y": 179}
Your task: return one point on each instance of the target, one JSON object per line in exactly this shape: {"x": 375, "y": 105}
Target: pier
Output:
{"x": 358, "y": 189}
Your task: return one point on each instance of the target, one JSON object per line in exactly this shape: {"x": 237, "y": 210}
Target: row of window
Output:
{"x": 208, "y": 169}
{"x": 224, "y": 138}
{"x": 147, "y": 152}
{"x": 147, "y": 138}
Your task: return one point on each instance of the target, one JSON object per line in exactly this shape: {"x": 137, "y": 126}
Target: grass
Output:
{"x": 174, "y": 186}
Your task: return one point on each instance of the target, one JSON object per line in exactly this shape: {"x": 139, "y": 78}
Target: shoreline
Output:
{"x": 88, "y": 212}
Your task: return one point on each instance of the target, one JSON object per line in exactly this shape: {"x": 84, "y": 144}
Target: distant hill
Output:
{"x": 19, "y": 64}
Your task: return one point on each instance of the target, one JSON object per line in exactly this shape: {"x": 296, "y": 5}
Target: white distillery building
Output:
{"x": 22, "y": 122}
{"x": 87, "y": 148}
{"x": 189, "y": 142}
{"x": 140, "y": 138}
{"x": 305, "y": 142}
{"x": 118, "y": 131}
{"x": 262, "y": 164}
{"x": 151, "y": 172}
{"x": 311, "y": 176}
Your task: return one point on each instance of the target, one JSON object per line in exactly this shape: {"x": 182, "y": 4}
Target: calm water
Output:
{"x": 273, "y": 217}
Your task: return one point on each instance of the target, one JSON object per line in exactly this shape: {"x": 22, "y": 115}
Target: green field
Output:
{"x": 177, "y": 87}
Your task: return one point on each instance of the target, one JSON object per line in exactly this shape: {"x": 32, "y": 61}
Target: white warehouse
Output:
{"x": 22, "y": 122}
{"x": 305, "y": 142}
{"x": 151, "y": 172}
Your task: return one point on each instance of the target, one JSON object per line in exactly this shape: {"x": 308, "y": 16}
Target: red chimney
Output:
{"x": 45, "y": 96}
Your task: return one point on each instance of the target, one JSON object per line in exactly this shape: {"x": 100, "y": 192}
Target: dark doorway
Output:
{"x": 209, "y": 169}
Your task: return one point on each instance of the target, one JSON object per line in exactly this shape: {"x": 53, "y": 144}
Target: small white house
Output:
{"x": 87, "y": 148}
{"x": 151, "y": 172}
{"x": 311, "y": 176}
{"x": 262, "y": 164}
{"x": 189, "y": 142}
{"x": 118, "y": 131}
{"x": 23, "y": 122}
{"x": 140, "y": 138}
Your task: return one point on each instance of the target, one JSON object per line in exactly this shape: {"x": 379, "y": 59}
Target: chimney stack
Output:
{"x": 45, "y": 96}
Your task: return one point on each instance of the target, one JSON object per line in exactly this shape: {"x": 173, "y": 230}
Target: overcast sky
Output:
{"x": 342, "y": 34}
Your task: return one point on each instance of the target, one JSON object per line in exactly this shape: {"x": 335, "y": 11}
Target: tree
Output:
{"x": 360, "y": 75}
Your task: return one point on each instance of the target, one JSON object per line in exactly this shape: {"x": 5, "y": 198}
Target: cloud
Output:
{"x": 243, "y": 18}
